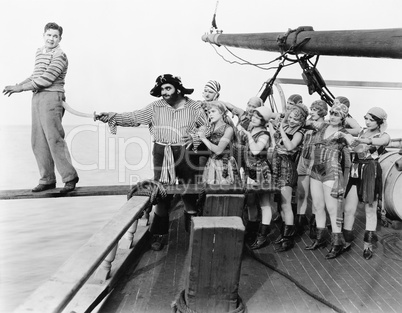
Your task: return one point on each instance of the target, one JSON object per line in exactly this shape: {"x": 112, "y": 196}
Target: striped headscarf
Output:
{"x": 214, "y": 85}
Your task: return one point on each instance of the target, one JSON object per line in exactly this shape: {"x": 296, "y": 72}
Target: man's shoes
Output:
{"x": 69, "y": 186}
{"x": 158, "y": 242}
{"x": 43, "y": 187}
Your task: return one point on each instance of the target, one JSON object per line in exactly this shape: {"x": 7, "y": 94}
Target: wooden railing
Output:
{"x": 90, "y": 265}
{"x": 87, "y": 276}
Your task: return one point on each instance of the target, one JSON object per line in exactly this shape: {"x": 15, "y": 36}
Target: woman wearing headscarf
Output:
{"x": 318, "y": 111}
{"x": 331, "y": 162}
{"x": 211, "y": 93}
{"x": 244, "y": 117}
{"x": 365, "y": 180}
{"x": 288, "y": 136}
{"x": 292, "y": 100}
{"x": 221, "y": 167}
{"x": 351, "y": 125}
{"x": 258, "y": 172}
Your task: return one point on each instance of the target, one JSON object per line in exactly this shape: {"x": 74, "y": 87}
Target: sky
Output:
{"x": 116, "y": 49}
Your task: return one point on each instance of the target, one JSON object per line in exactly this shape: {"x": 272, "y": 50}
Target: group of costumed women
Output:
{"x": 299, "y": 154}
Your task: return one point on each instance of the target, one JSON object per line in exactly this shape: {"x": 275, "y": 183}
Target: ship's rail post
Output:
{"x": 126, "y": 242}
{"x": 103, "y": 271}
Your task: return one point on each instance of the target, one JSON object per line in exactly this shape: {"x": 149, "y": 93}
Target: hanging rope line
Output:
{"x": 244, "y": 61}
{"x": 258, "y": 65}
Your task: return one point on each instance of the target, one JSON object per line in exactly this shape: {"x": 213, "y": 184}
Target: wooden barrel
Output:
{"x": 392, "y": 185}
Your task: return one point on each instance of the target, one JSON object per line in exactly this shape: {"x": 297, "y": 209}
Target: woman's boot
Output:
{"x": 300, "y": 223}
{"x": 338, "y": 243}
{"x": 251, "y": 232}
{"x": 159, "y": 230}
{"x": 320, "y": 242}
{"x": 262, "y": 237}
{"x": 288, "y": 238}
{"x": 348, "y": 235}
{"x": 369, "y": 239}
{"x": 313, "y": 227}
{"x": 279, "y": 239}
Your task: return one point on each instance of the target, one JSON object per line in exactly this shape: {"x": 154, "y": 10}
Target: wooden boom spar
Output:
{"x": 375, "y": 43}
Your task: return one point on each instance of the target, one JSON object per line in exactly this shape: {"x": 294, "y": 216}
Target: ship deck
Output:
{"x": 293, "y": 281}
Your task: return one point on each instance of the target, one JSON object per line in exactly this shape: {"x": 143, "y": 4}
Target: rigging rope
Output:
{"x": 310, "y": 74}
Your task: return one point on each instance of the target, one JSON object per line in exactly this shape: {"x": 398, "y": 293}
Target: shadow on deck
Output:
{"x": 349, "y": 282}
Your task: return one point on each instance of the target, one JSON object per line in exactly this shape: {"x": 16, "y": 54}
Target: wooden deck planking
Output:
{"x": 348, "y": 270}
{"x": 372, "y": 274}
{"x": 349, "y": 282}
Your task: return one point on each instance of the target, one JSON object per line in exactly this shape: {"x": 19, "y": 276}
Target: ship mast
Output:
{"x": 375, "y": 43}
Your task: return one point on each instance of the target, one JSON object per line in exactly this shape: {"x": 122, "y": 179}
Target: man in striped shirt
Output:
{"x": 47, "y": 84}
{"x": 173, "y": 121}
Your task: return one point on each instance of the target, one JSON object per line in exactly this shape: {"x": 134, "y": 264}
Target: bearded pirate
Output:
{"x": 172, "y": 122}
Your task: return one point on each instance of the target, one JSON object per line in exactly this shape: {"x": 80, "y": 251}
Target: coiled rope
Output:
{"x": 150, "y": 188}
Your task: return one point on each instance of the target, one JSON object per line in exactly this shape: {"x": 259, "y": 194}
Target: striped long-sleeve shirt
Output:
{"x": 49, "y": 72}
{"x": 166, "y": 124}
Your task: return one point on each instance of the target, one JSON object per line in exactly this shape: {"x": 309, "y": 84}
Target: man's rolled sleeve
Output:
{"x": 126, "y": 119}
{"x": 130, "y": 119}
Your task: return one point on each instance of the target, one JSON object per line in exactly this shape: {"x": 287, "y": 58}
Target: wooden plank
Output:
{"x": 90, "y": 191}
{"x": 56, "y": 293}
{"x": 216, "y": 245}
{"x": 223, "y": 205}
{"x": 86, "y": 191}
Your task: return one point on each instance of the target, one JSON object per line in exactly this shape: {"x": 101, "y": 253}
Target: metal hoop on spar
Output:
{"x": 77, "y": 113}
